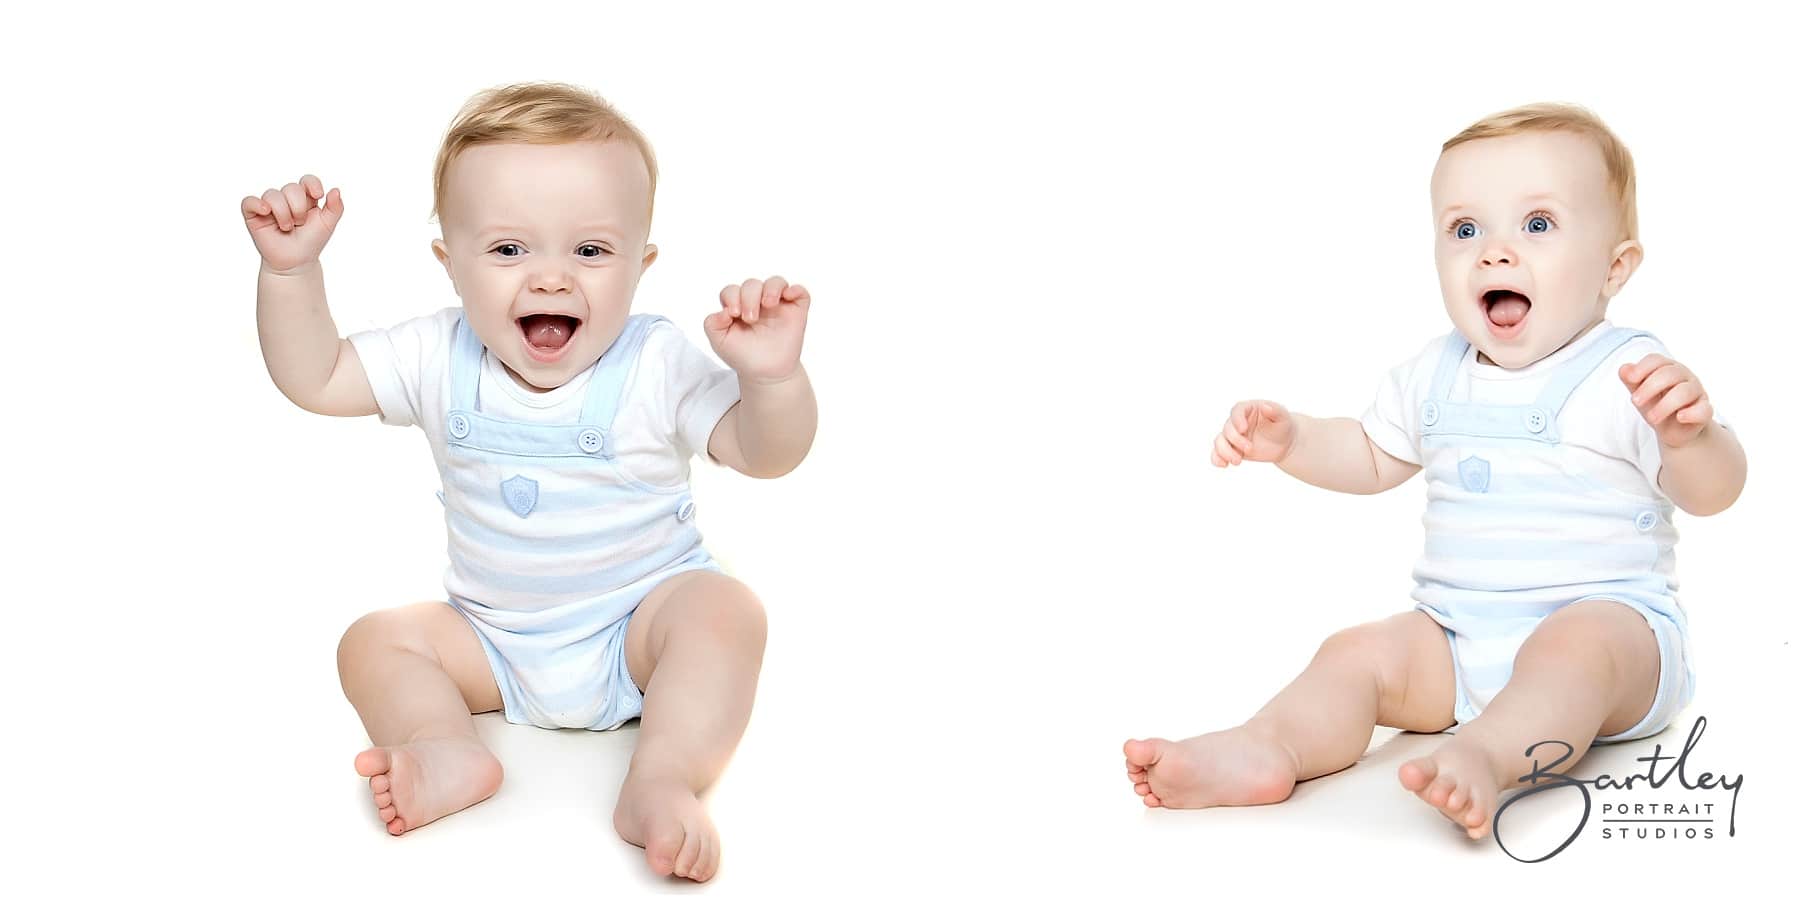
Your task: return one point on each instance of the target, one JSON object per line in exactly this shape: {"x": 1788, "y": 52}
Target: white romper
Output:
{"x": 1515, "y": 528}
{"x": 552, "y": 543}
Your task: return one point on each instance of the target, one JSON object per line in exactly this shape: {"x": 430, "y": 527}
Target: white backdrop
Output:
{"x": 1048, "y": 248}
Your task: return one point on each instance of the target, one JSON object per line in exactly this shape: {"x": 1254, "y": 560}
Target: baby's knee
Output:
{"x": 374, "y": 633}
{"x": 727, "y": 608}
{"x": 1608, "y": 638}
{"x": 1367, "y": 643}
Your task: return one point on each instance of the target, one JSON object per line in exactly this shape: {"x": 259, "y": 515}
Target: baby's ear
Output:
{"x": 1625, "y": 260}
{"x": 442, "y": 253}
{"x": 649, "y": 257}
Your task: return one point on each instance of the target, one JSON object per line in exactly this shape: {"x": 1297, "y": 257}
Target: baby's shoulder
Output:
{"x": 666, "y": 361}
{"x": 1424, "y": 363}
{"x": 1634, "y": 349}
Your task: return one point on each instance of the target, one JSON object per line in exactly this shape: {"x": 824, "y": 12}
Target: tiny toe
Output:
{"x": 1457, "y": 799}
{"x": 373, "y": 761}
{"x": 662, "y": 854}
{"x": 383, "y": 799}
{"x": 1477, "y": 818}
{"x": 1416, "y": 774}
{"x": 387, "y": 813}
{"x": 697, "y": 872}
{"x": 1142, "y": 753}
{"x": 380, "y": 783}
{"x": 1151, "y": 801}
{"x": 688, "y": 856}
{"x": 396, "y": 826}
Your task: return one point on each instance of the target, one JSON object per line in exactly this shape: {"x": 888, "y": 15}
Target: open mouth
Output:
{"x": 1506, "y": 311}
{"x": 547, "y": 335}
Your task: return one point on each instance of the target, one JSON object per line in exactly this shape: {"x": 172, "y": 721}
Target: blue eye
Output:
{"x": 499, "y": 250}
{"x": 1538, "y": 223}
{"x": 1465, "y": 230}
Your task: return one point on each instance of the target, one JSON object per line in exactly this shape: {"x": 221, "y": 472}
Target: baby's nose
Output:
{"x": 551, "y": 279}
{"x": 1498, "y": 254}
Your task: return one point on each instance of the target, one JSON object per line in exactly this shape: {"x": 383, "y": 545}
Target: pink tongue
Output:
{"x": 1508, "y": 311}
{"x": 546, "y": 332}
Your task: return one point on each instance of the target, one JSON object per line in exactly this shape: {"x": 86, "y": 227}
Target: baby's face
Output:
{"x": 1528, "y": 246}
{"x": 545, "y": 244}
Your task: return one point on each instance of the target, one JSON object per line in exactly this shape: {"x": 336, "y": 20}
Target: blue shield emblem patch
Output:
{"x": 520, "y": 493}
{"x": 1474, "y": 472}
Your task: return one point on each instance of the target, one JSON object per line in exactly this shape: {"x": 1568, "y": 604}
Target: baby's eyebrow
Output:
{"x": 1528, "y": 199}
{"x": 597, "y": 228}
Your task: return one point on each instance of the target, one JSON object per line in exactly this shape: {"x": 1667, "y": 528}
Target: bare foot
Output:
{"x": 1461, "y": 779}
{"x": 661, "y": 815}
{"x": 427, "y": 778}
{"x": 1234, "y": 767}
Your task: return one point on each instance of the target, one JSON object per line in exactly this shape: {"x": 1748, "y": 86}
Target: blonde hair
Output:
{"x": 1621, "y": 174}
{"x": 545, "y": 113}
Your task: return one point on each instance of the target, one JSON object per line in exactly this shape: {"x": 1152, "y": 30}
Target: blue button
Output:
{"x": 686, "y": 511}
{"x": 459, "y": 426}
{"x": 589, "y": 441}
{"x": 1430, "y": 414}
{"x": 1646, "y": 521}
{"x": 1535, "y": 421}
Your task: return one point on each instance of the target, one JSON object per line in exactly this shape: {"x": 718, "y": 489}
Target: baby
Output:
{"x": 1553, "y": 444}
{"x": 579, "y": 594}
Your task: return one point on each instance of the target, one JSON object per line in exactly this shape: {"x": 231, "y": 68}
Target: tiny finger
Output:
{"x": 1237, "y": 439}
{"x": 751, "y": 299}
{"x": 298, "y": 203}
{"x": 1683, "y": 395}
{"x": 278, "y": 208}
{"x": 1654, "y": 385}
{"x": 771, "y": 292}
{"x": 314, "y": 188}
{"x": 1699, "y": 413}
{"x": 728, "y": 297}
{"x": 1231, "y": 455}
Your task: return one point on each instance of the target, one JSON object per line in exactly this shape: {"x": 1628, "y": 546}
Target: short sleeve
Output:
{"x": 1392, "y": 420}
{"x": 694, "y": 390}
{"x": 396, "y": 358}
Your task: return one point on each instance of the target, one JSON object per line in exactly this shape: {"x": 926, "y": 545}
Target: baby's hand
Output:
{"x": 758, "y": 328}
{"x": 1258, "y": 430}
{"x": 1669, "y": 397}
{"x": 288, "y": 224}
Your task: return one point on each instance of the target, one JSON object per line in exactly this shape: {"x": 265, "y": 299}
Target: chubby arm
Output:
{"x": 758, "y": 331}
{"x": 770, "y": 429}
{"x": 1333, "y": 453}
{"x": 1703, "y": 465}
{"x": 309, "y": 363}
{"x": 1336, "y": 454}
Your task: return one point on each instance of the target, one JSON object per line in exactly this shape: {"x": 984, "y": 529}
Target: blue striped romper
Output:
{"x": 552, "y": 547}
{"x": 1514, "y": 531}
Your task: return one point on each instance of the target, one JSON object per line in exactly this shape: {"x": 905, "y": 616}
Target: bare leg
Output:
{"x": 1588, "y": 670}
{"x": 1396, "y": 672}
{"x": 695, "y": 646}
{"x": 414, "y": 674}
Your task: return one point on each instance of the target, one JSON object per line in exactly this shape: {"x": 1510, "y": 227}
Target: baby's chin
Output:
{"x": 536, "y": 380}
{"x": 1528, "y": 349}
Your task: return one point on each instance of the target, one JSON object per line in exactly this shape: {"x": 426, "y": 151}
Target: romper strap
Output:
{"x": 465, "y": 367}
{"x": 1445, "y": 377}
{"x": 1563, "y": 383}
{"x": 607, "y": 387}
